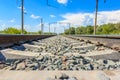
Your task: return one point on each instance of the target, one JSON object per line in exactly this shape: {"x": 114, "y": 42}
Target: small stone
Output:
{"x": 21, "y": 66}
{"x": 34, "y": 66}
{"x": 63, "y": 76}
{"x": 105, "y": 61}
{"x": 83, "y": 62}
{"x": 73, "y": 78}
{"x": 42, "y": 67}
{"x": 102, "y": 62}
{"x": 101, "y": 67}
{"x": 83, "y": 51}
{"x": 40, "y": 58}
{"x": 89, "y": 67}
{"x": 110, "y": 62}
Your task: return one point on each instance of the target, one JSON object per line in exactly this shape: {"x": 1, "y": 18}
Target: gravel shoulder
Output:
{"x": 46, "y": 75}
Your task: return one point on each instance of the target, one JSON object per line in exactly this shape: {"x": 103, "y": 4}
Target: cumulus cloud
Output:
{"x": 62, "y": 1}
{"x": 21, "y": 8}
{"x": 25, "y": 12}
{"x": 34, "y": 16}
{"x": 52, "y": 16}
{"x": 104, "y": 17}
{"x": 12, "y": 20}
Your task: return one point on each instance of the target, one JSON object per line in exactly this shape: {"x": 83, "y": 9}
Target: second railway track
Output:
{"x": 105, "y": 40}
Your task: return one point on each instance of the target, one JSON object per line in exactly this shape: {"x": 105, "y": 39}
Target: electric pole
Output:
{"x": 68, "y": 24}
{"x": 22, "y": 17}
{"x": 54, "y": 30}
{"x": 49, "y": 28}
{"x": 69, "y": 27}
{"x": 96, "y": 11}
{"x": 42, "y": 26}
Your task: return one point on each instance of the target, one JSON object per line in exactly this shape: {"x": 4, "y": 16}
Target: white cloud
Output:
{"x": 34, "y": 17}
{"x": 52, "y": 16}
{"x": 88, "y": 18}
{"x": 20, "y": 8}
{"x": 12, "y": 20}
{"x": 62, "y": 1}
{"x": 25, "y": 11}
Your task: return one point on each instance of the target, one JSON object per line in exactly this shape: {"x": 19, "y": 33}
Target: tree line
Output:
{"x": 109, "y": 28}
{"x": 11, "y": 30}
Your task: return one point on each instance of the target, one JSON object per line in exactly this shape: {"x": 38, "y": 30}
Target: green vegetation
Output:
{"x": 70, "y": 31}
{"x": 12, "y": 30}
{"x": 102, "y": 29}
{"x": 109, "y": 29}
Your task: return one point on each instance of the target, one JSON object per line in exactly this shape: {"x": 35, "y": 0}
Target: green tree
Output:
{"x": 66, "y": 31}
{"x": 81, "y": 30}
{"x": 89, "y": 29}
{"x": 12, "y": 30}
{"x": 39, "y": 32}
{"x": 71, "y": 30}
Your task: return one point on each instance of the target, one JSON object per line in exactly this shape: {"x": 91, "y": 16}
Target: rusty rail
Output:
{"x": 106, "y": 40}
{"x": 8, "y": 40}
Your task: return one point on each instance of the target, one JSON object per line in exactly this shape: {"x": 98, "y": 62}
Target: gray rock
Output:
{"x": 21, "y": 66}
{"x": 34, "y": 66}
{"x": 101, "y": 67}
{"x": 63, "y": 76}
{"x": 73, "y": 78}
{"x": 40, "y": 58}
{"x": 84, "y": 62}
{"x": 82, "y": 51}
{"x": 89, "y": 67}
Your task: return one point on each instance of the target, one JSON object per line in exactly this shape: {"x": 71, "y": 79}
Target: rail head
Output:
{"x": 98, "y": 36}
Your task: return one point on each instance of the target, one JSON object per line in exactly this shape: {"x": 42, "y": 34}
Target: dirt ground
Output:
{"x": 43, "y": 75}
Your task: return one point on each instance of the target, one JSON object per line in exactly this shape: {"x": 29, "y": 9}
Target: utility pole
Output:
{"x": 96, "y": 11}
{"x": 42, "y": 26}
{"x": 54, "y": 27}
{"x": 49, "y": 28}
{"x": 54, "y": 30}
{"x": 69, "y": 27}
{"x": 75, "y": 30}
{"x": 67, "y": 24}
{"x": 64, "y": 28}
{"x": 22, "y": 17}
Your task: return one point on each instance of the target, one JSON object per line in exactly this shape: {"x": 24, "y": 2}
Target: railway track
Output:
{"x": 59, "y": 53}
{"x": 7, "y": 40}
{"x": 106, "y": 40}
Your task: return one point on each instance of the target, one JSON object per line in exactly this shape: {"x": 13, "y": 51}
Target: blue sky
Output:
{"x": 77, "y": 12}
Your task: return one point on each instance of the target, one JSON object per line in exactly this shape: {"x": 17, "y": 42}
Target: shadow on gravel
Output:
{"x": 2, "y": 57}
{"x": 21, "y": 47}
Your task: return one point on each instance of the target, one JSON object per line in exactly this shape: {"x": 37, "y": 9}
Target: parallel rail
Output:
{"x": 106, "y": 40}
{"x": 100, "y": 36}
{"x": 9, "y": 40}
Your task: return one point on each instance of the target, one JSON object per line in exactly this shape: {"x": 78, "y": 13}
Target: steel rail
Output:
{"x": 112, "y": 41}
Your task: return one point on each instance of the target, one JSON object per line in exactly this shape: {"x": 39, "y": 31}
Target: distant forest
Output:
{"x": 11, "y": 30}
{"x": 100, "y": 30}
